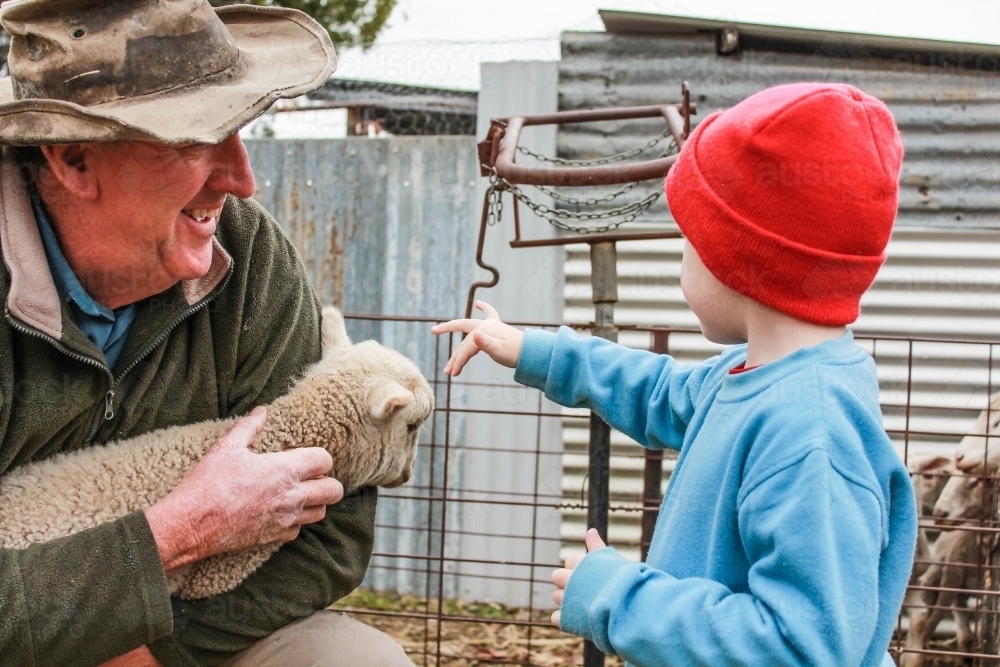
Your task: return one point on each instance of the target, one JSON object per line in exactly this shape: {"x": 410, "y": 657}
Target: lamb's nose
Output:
{"x": 959, "y": 456}
{"x": 940, "y": 514}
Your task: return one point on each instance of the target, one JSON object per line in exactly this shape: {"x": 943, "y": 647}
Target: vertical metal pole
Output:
{"x": 604, "y": 282}
{"x": 652, "y": 474}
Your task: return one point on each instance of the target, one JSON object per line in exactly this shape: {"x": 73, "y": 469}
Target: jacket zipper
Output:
{"x": 109, "y": 397}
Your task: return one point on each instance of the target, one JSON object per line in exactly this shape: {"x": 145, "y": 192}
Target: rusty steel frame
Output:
{"x": 497, "y": 153}
{"x": 531, "y": 572}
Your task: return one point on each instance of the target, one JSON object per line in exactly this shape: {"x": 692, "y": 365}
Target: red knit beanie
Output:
{"x": 789, "y": 197}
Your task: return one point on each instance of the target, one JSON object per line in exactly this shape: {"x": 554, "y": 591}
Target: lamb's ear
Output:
{"x": 926, "y": 463}
{"x": 387, "y": 399}
{"x": 335, "y": 338}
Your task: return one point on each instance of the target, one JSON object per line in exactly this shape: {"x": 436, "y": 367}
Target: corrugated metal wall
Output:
{"x": 943, "y": 274}
{"x": 382, "y": 225}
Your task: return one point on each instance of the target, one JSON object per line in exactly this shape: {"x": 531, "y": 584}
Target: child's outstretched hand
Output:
{"x": 501, "y": 341}
{"x": 561, "y": 576}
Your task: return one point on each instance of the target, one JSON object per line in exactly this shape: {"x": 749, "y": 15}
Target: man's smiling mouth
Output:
{"x": 202, "y": 214}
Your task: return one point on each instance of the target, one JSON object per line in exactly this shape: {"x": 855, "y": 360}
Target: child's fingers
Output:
{"x": 555, "y": 618}
{"x": 593, "y": 540}
{"x": 490, "y": 311}
{"x": 486, "y": 342}
{"x": 466, "y": 350}
{"x": 557, "y": 596}
{"x": 465, "y": 326}
{"x": 573, "y": 561}
{"x": 560, "y": 577}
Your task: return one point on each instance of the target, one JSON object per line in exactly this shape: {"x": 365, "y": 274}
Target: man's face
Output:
{"x": 152, "y": 223}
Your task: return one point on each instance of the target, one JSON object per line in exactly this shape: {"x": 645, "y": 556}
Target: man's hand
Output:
{"x": 234, "y": 499}
{"x": 500, "y": 341}
{"x": 561, "y": 576}
{"x": 141, "y": 657}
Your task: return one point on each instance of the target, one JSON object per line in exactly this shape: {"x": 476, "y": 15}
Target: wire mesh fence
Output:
{"x": 935, "y": 401}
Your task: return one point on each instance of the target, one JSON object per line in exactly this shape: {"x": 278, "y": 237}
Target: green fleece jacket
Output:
{"x": 205, "y": 349}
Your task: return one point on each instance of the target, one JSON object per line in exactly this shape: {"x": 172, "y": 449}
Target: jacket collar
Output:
{"x": 32, "y": 297}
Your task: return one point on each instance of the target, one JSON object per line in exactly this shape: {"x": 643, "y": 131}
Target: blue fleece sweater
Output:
{"x": 787, "y": 533}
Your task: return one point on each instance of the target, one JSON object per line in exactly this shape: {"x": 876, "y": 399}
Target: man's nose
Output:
{"x": 232, "y": 172}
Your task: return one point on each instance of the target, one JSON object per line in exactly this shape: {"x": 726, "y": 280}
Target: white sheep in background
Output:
{"x": 964, "y": 499}
{"x": 363, "y": 403}
{"x": 928, "y": 474}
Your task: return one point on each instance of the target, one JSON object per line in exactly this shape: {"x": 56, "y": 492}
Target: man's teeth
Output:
{"x": 201, "y": 214}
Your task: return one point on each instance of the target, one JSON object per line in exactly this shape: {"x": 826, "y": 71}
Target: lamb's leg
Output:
{"x": 922, "y": 623}
{"x": 963, "y": 629}
{"x": 222, "y": 572}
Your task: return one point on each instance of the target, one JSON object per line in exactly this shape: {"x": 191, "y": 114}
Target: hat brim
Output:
{"x": 283, "y": 54}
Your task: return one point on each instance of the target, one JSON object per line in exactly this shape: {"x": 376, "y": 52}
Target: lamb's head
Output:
{"x": 965, "y": 497}
{"x": 929, "y": 474}
{"x": 390, "y": 401}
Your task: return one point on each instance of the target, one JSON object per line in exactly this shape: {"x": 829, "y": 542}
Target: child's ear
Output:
{"x": 387, "y": 399}
{"x": 334, "y": 335}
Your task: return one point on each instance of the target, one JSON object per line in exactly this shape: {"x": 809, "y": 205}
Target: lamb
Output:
{"x": 963, "y": 499}
{"x": 928, "y": 475}
{"x": 363, "y": 403}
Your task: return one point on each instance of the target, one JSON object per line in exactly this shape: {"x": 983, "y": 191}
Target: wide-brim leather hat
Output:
{"x": 173, "y": 71}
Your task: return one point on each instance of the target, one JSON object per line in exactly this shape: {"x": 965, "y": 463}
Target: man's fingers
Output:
{"x": 560, "y": 577}
{"x": 288, "y": 534}
{"x": 246, "y": 429}
{"x": 322, "y": 491}
{"x": 305, "y": 462}
{"x": 490, "y": 311}
{"x": 313, "y": 514}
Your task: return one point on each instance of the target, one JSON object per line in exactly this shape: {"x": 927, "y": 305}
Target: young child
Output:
{"x": 787, "y": 533}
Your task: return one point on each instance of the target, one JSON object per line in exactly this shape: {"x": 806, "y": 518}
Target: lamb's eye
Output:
{"x": 412, "y": 427}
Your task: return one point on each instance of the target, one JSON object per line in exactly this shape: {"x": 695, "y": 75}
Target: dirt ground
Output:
{"x": 480, "y": 638}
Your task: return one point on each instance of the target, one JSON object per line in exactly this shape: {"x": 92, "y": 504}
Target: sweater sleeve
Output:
{"x": 279, "y": 339}
{"x": 811, "y": 597}
{"x": 83, "y": 599}
{"x": 646, "y": 396}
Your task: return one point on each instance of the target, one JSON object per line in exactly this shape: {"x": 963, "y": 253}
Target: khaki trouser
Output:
{"x": 325, "y": 639}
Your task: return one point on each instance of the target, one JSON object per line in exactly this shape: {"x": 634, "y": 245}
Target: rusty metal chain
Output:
{"x": 494, "y": 198}
{"x": 590, "y": 201}
{"x": 557, "y": 217}
{"x": 609, "y": 159}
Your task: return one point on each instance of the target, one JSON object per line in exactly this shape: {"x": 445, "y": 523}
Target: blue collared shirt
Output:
{"x": 106, "y": 328}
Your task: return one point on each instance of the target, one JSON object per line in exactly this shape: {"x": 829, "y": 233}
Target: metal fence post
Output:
{"x": 604, "y": 283}
{"x": 652, "y": 474}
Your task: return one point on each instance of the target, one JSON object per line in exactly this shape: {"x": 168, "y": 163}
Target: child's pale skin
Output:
{"x": 726, "y": 317}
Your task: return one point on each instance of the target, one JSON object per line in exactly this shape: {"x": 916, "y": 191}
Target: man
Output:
{"x": 145, "y": 289}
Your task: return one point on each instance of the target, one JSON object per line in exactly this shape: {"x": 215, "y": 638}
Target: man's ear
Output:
{"x": 387, "y": 399}
{"x": 334, "y": 337}
{"x": 68, "y": 163}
